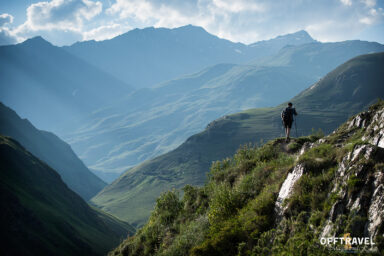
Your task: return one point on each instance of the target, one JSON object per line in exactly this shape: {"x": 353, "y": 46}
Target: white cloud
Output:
{"x": 369, "y": 3}
{"x": 238, "y": 6}
{"x": 5, "y": 19}
{"x": 61, "y": 14}
{"x": 346, "y": 2}
{"x": 237, "y": 20}
{"x": 6, "y": 35}
{"x": 373, "y": 16}
{"x": 105, "y": 32}
{"x": 253, "y": 20}
{"x": 59, "y": 21}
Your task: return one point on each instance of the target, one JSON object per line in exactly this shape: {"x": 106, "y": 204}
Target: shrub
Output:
{"x": 195, "y": 201}
{"x": 267, "y": 153}
{"x": 222, "y": 242}
{"x": 258, "y": 216}
{"x": 316, "y": 134}
{"x": 316, "y": 218}
{"x": 167, "y": 208}
{"x": 192, "y": 234}
{"x": 354, "y": 184}
{"x": 224, "y": 203}
{"x": 310, "y": 192}
{"x": 319, "y": 158}
{"x": 355, "y": 226}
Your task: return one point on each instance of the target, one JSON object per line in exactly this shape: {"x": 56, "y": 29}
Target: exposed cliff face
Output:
{"x": 286, "y": 189}
{"x": 280, "y": 199}
{"x": 358, "y": 183}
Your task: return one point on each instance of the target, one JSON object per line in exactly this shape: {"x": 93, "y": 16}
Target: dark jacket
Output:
{"x": 287, "y": 114}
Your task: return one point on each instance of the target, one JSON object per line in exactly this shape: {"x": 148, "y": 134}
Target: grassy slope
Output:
{"x": 41, "y": 216}
{"x": 345, "y": 91}
{"x": 154, "y": 121}
{"x": 234, "y": 212}
{"x": 50, "y": 149}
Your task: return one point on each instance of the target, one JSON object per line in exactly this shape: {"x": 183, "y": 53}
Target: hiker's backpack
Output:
{"x": 287, "y": 115}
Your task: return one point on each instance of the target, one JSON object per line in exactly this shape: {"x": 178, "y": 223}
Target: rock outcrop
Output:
{"x": 357, "y": 187}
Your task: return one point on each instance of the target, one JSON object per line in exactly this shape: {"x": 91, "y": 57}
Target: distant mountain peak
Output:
{"x": 299, "y": 37}
{"x": 302, "y": 34}
{"x": 183, "y": 29}
{"x": 190, "y": 27}
{"x": 36, "y": 41}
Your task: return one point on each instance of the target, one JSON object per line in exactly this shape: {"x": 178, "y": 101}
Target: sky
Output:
{"x": 64, "y": 22}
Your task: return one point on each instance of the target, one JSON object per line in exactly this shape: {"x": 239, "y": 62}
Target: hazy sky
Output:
{"x": 64, "y": 22}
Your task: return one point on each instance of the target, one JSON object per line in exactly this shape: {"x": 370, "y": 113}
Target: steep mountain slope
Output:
{"x": 41, "y": 216}
{"x": 50, "y": 149}
{"x": 168, "y": 53}
{"x": 345, "y": 91}
{"x": 51, "y": 87}
{"x": 280, "y": 199}
{"x": 154, "y": 121}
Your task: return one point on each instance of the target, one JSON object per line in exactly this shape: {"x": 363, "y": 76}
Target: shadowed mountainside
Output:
{"x": 41, "y": 216}
{"x": 52, "y": 150}
{"x": 51, "y": 87}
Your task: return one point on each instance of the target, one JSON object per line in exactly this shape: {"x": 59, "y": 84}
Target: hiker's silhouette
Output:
{"x": 287, "y": 119}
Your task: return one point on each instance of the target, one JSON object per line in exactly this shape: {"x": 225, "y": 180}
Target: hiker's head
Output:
{"x": 290, "y": 104}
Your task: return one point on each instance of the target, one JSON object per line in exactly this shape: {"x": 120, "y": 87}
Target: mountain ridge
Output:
{"x": 167, "y": 53}
{"x": 153, "y": 121}
{"x": 279, "y": 199}
{"x": 51, "y": 149}
{"x": 188, "y": 163}
{"x": 42, "y": 216}
{"x": 61, "y": 85}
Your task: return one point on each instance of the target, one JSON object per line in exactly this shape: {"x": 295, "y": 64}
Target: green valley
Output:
{"x": 343, "y": 92}
{"x": 154, "y": 121}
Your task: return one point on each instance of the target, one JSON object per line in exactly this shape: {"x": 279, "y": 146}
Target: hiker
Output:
{"x": 287, "y": 118}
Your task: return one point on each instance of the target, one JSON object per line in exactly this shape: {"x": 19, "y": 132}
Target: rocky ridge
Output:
{"x": 280, "y": 199}
{"x": 358, "y": 183}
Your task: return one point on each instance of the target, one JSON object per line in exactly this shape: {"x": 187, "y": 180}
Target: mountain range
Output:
{"x": 127, "y": 104}
{"x": 41, "y": 216}
{"x": 153, "y": 121}
{"x": 51, "y": 87}
{"x": 149, "y": 56}
{"x": 53, "y": 151}
{"x": 61, "y": 90}
{"x": 314, "y": 59}
{"x": 343, "y": 92}
{"x": 113, "y": 128}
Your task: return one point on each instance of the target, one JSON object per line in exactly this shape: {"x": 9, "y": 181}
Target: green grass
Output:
{"x": 234, "y": 212}
{"x": 321, "y": 110}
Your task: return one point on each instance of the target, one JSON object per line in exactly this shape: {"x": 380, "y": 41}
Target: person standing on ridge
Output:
{"x": 287, "y": 118}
